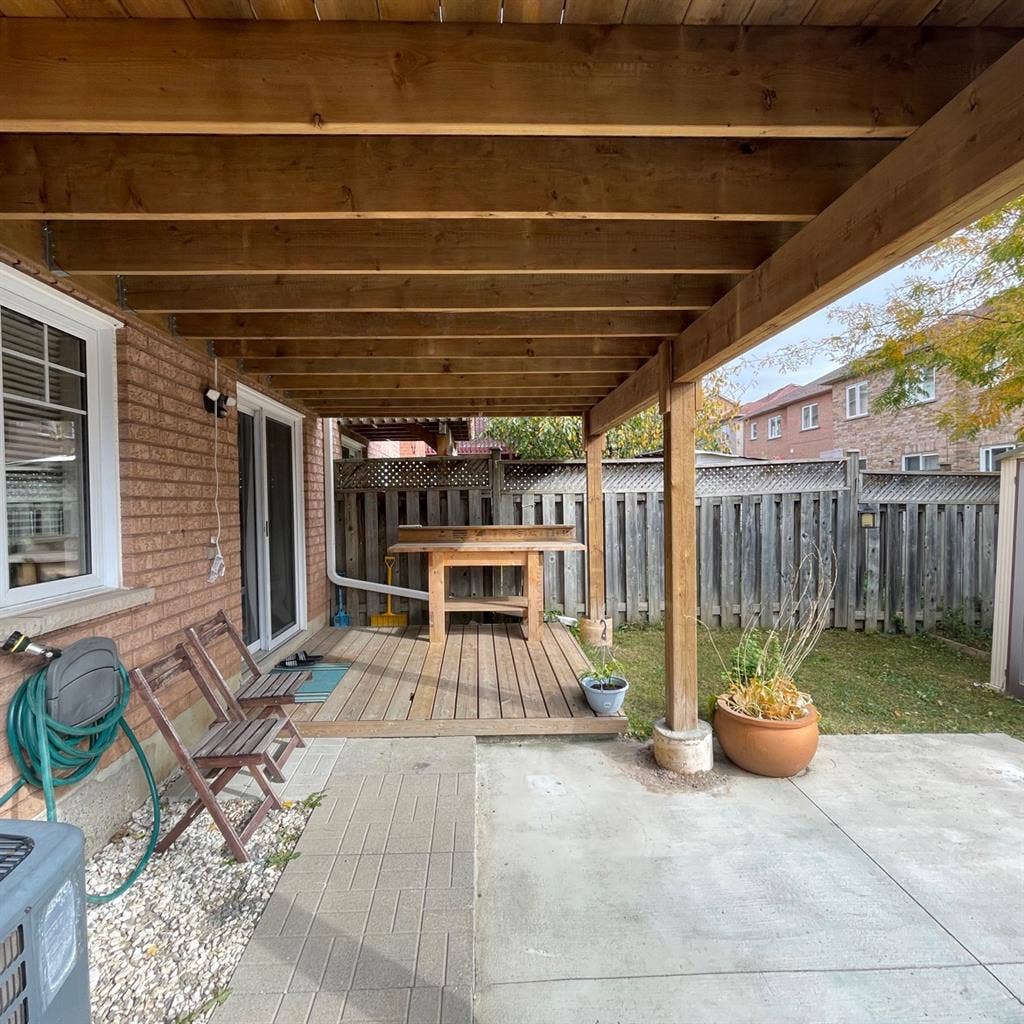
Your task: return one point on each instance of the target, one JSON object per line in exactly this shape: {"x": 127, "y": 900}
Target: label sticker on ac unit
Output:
{"x": 58, "y": 947}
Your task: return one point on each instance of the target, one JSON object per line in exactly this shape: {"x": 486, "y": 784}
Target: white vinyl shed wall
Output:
{"x": 1009, "y": 547}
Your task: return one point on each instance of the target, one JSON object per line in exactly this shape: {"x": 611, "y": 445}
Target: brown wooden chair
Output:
{"x": 259, "y": 695}
{"x": 228, "y": 746}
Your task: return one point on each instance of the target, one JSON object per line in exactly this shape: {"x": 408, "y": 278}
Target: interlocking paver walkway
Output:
{"x": 374, "y": 922}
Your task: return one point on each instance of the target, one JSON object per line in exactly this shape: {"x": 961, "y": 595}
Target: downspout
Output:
{"x": 332, "y": 569}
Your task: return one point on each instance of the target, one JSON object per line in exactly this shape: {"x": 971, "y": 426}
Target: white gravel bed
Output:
{"x": 164, "y": 951}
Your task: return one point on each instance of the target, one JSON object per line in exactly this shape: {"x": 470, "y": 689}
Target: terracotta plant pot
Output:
{"x": 778, "y": 749}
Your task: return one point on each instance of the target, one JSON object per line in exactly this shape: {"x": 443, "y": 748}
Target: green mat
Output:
{"x": 325, "y": 677}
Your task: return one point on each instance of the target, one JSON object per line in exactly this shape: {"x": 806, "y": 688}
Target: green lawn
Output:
{"x": 860, "y": 683}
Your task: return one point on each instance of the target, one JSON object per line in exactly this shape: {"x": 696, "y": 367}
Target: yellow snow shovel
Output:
{"x": 389, "y": 618}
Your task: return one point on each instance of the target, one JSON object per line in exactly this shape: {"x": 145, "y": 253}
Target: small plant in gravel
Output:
{"x": 314, "y": 800}
{"x": 217, "y": 999}
{"x": 281, "y": 857}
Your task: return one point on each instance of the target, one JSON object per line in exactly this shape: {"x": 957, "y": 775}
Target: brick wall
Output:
{"x": 167, "y": 516}
{"x": 883, "y": 438}
{"x": 794, "y": 443}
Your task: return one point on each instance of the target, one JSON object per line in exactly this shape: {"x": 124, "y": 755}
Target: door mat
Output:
{"x": 324, "y": 679}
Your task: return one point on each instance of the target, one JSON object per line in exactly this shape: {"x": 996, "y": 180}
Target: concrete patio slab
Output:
{"x": 936, "y": 813}
{"x": 608, "y": 895}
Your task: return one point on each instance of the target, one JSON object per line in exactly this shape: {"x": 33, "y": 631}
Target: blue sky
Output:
{"x": 756, "y": 381}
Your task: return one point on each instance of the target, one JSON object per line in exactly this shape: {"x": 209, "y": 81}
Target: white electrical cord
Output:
{"x": 217, "y": 565}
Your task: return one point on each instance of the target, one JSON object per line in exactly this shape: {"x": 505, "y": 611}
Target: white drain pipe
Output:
{"x": 332, "y": 569}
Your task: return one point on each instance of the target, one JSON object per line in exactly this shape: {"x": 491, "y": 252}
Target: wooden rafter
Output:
{"x": 315, "y": 78}
{"x": 575, "y": 323}
{"x": 468, "y": 364}
{"x": 200, "y": 177}
{"x": 423, "y": 293}
{"x": 409, "y": 247}
{"x": 598, "y": 349}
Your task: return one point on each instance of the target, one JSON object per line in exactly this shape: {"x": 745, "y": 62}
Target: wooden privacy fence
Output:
{"x": 897, "y": 551}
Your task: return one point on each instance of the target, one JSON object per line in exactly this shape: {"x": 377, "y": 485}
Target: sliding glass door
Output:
{"x": 270, "y": 515}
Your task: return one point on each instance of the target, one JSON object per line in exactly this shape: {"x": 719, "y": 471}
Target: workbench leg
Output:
{"x": 436, "y": 596}
{"x": 533, "y": 582}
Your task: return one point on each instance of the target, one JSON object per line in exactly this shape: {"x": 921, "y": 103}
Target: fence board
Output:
{"x": 762, "y": 557}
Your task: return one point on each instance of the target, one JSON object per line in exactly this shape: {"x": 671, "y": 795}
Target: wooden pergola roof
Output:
{"x": 957, "y": 13}
{"x": 385, "y": 218}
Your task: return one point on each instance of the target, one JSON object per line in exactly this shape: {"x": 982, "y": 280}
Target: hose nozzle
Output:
{"x": 19, "y": 643}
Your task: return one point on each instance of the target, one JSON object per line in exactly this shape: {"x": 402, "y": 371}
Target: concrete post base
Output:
{"x": 596, "y": 632}
{"x": 685, "y": 753}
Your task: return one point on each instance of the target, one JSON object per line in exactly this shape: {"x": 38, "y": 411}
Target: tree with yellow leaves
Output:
{"x": 561, "y": 437}
{"x": 960, "y": 310}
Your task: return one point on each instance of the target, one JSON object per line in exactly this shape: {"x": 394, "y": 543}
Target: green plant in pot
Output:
{"x": 605, "y": 685}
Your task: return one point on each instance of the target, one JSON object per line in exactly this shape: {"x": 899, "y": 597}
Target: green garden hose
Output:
{"x": 40, "y": 745}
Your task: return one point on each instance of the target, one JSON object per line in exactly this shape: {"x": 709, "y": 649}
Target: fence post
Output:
{"x": 853, "y": 537}
{"x": 497, "y": 477}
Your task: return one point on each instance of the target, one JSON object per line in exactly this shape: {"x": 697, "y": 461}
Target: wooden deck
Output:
{"x": 485, "y": 680}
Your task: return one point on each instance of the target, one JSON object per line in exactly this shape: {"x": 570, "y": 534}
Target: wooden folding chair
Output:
{"x": 227, "y": 748}
{"x": 260, "y": 695}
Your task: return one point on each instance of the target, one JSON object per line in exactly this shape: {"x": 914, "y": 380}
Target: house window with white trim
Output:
{"x": 774, "y": 427}
{"x": 59, "y": 533}
{"x": 990, "y": 454}
{"x": 809, "y": 417}
{"x": 753, "y": 430}
{"x": 857, "y": 400}
{"x": 919, "y": 462}
{"x": 926, "y": 389}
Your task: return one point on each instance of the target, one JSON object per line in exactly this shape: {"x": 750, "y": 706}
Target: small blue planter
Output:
{"x": 604, "y": 702}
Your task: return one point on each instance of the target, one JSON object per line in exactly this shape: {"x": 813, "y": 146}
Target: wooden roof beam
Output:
{"x": 480, "y": 382}
{"x": 966, "y": 161}
{"x": 411, "y": 247}
{"x": 316, "y": 78}
{"x": 195, "y": 177}
{"x": 224, "y": 327}
{"x": 441, "y": 348}
{"x": 469, "y": 364}
{"x": 422, "y": 293}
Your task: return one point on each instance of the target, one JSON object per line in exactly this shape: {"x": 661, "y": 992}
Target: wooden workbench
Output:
{"x": 485, "y": 545}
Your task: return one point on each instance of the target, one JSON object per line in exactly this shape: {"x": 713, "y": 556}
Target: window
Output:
{"x": 774, "y": 427}
{"x": 857, "y": 400}
{"x": 926, "y": 390}
{"x": 753, "y": 430}
{"x": 990, "y": 454}
{"x": 59, "y": 531}
{"x": 809, "y": 417}
{"x": 920, "y": 462}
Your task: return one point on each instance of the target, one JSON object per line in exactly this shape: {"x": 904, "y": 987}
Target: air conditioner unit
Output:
{"x": 44, "y": 967}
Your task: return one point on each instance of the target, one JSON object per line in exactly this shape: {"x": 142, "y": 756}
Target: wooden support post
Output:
{"x": 596, "y": 629}
{"x": 682, "y": 742}
{"x": 443, "y": 445}
{"x": 437, "y": 594}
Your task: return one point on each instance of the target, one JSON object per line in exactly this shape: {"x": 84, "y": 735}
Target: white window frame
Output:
{"x": 927, "y": 392}
{"x": 25, "y": 295}
{"x": 860, "y": 390}
{"x": 804, "y": 417}
{"x": 920, "y": 456}
{"x": 776, "y": 422}
{"x": 753, "y": 430}
{"x": 988, "y": 450}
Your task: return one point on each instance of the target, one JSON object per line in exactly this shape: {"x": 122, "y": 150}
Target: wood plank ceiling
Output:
{"x": 429, "y": 220}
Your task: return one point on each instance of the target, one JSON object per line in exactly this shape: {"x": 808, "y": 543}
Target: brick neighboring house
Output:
{"x": 834, "y": 414}
{"x": 794, "y": 422}
{"x": 910, "y": 438}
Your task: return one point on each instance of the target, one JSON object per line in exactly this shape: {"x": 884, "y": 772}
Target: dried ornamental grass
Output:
{"x": 776, "y": 699}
